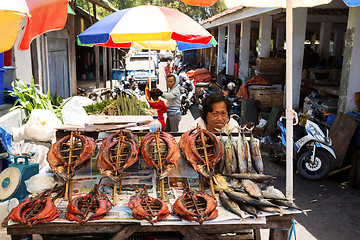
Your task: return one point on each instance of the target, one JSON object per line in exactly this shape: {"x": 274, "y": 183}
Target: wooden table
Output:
{"x": 278, "y": 225}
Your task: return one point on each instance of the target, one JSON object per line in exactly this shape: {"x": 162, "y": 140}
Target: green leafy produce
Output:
{"x": 30, "y": 98}
{"x": 123, "y": 105}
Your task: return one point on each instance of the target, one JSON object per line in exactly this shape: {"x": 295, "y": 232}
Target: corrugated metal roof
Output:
{"x": 219, "y": 15}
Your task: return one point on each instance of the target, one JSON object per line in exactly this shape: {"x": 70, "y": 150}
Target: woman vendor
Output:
{"x": 215, "y": 116}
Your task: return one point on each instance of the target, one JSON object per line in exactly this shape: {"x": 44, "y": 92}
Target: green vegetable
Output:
{"x": 123, "y": 105}
{"x": 30, "y": 98}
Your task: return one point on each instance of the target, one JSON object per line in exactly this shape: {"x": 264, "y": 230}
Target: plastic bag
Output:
{"x": 40, "y": 182}
{"x": 6, "y": 207}
{"x": 74, "y": 114}
{"x": 41, "y": 125}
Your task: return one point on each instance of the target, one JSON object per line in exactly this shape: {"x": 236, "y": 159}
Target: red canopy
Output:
{"x": 44, "y": 16}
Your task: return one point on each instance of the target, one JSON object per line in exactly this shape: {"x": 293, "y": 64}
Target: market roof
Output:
{"x": 219, "y": 15}
{"x": 105, "y": 4}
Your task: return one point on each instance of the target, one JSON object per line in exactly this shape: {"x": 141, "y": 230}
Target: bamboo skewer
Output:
{"x": 68, "y": 189}
{"x": 161, "y": 182}
{"x": 148, "y": 205}
{"x": 207, "y": 162}
{"x": 41, "y": 198}
{"x": 201, "y": 183}
{"x": 119, "y": 149}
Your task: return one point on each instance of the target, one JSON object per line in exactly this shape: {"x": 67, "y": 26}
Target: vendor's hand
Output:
{"x": 147, "y": 83}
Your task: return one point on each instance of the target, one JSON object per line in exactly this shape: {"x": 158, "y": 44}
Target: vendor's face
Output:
{"x": 218, "y": 117}
{"x": 170, "y": 81}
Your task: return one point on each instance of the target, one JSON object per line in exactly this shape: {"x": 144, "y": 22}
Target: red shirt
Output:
{"x": 169, "y": 69}
{"x": 159, "y": 105}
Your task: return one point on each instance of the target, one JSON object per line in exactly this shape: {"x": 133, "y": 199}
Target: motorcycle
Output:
{"x": 187, "y": 95}
{"x": 235, "y": 111}
{"x": 129, "y": 88}
{"x": 312, "y": 149}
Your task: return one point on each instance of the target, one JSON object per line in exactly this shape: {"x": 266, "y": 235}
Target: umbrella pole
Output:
{"x": 289, "y": 88}
{"x": 149, "y": 66}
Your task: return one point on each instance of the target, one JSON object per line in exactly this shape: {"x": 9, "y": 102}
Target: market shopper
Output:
{"x": 169, "y": 69}
{"x": 152, "y": 98}
{"x": 173, "y": 103}
{"x": 215, "y": 115}
{"x": 177, "y": 61}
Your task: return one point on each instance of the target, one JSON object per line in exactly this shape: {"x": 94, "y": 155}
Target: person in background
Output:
{"x": 173, "y": 103}
{"x": 215, "y": 115}
{"x": 177, "y": 61}
{"x": 152, "y": 98}
{"x": 169, "y": 69}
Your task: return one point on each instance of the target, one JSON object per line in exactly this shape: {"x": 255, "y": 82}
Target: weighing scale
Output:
{"x": 12, "y": 179}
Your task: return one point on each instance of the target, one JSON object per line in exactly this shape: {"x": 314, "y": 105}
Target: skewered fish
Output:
{"x": 195, "y": 206}
{"x": 70, "y": 154}
{"x": 255, "y": 154}
{"x": 200, "y": 148}
{"x": 38, "y": 209}
{"x": 241, "y": 152}
{"x": 79, "y": 208}
{"x": 148, "y": 208}
{"x": 160, "y": 151}
{"x": 118, "y": 152}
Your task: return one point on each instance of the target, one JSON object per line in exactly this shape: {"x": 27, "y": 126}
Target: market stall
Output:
{"x": 124, "y": 171}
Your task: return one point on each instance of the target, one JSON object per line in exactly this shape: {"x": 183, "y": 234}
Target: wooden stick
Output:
{"x": 162, "y": 188}
{"x": 41, "y": 198}
{"x": 201, "y": 183}
{"x": 200, "y": 215}
{"x": 339, "y": 170}
{"x": 118, "y": 159}
{"x": 207, "y": 162}
{"x": 68, "y": 194}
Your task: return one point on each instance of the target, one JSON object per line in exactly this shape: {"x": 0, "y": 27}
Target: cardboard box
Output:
{"x": 269, "y": 64}
{"x": 268, "y": 97}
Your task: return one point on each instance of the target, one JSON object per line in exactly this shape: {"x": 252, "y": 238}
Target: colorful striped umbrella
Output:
{"x": 42, "y": 16}
{"x": 352, "y": 3}
{"x": 148, "y": 27}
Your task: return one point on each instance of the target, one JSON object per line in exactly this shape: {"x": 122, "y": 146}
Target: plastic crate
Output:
{"x": 118, "y": 74}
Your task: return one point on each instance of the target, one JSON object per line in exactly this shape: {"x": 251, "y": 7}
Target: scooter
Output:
{"x": 312, "y": 149}
{"x": 187, "y": 95}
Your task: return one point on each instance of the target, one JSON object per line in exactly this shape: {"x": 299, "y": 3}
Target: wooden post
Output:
{"x": 97, "y": 55}
{"x": 110, "y": 67}
{"x": 105, "y": 73}
{"x": 97, "y": 66}
{"x": 72, "y": 42}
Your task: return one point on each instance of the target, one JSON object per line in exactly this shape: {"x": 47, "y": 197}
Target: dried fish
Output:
{"x": 251, "y": 188}
{"x": 255, "y": 154}
{"x": 241, "y": 152}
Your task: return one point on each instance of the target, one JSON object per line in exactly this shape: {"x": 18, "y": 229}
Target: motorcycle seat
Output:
{"x": 299, "y": 131}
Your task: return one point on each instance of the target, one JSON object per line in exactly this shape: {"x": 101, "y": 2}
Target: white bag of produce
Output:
{"x": 40, "y": 182}
{"x": 41, "y": 125}
{"x": 74, "y": 114}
